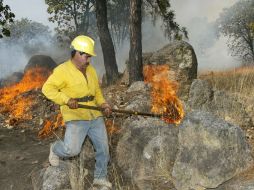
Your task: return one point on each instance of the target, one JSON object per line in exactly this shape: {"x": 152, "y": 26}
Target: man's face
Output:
{"x": 83, "y": 58}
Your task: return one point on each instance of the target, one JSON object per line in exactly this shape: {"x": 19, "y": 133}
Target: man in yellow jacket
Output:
{"x": 72, "y": 82}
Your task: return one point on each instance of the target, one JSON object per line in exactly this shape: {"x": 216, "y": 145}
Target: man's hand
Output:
{"x": 106, "y": 109}
{"x": 72, "y": 103}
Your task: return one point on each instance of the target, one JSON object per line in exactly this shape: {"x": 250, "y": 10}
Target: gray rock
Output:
{"x": 182, "y": 62}
{"x": 238, "y": 185}
{"x": 51, "y": 178}
{"x": 241, "y": 182}
{"x": 55, "y": 178}
{"x": 200, "y": 93}
{"x": 138, "y": 86}
{"x": 225, "y": 105}
{"x": 139, "y": 103}
{"x": 211, "y": 151}
{"x": 139, "y": 97}
{"x": 70, "y": 174}
{"x": 147, "y": 151}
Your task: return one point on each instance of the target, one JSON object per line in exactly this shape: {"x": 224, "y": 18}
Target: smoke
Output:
{"x": 199, "y": 17}
{"x": 15, "y": 56}
{"x": 12, "y": 59}
{"x": 153, "y": 39}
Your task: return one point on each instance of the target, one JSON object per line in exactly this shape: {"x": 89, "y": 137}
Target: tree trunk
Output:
{"x": 135, "y": 65}
{"x": 106, "y": 42}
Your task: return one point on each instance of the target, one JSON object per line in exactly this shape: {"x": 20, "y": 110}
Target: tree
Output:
{"x": 118, "y": 11}
{"x": 135, "y": 66}
{"x": 236, "y": 23}
{"x": 77, "y": 17}
{"x": 162, "y": 8}
{"x": 172, "y": 31}
{"x": 73, "y": 17}
{"x": 106, "y": 42}
{"x": 6, "y": 17}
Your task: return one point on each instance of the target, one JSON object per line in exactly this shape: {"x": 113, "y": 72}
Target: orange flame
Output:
{"x": 51, "y": 125}
{"x": 12, "y": 100}
{"x": 163, "y": 93}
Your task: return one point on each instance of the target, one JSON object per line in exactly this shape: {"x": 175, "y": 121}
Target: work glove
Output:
{"x": 72, "y": 103}
{"x": 107, "y": 110}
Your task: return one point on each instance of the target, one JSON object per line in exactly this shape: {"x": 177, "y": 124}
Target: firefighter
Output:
{"x": 72, "y": 82}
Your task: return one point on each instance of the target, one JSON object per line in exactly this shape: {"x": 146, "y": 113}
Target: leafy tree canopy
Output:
{"x": 78, "y": 16}
{"x": 163, "y": 9}
{"x": 6, "y": 17}
{"x": 73, "y": 17}
{"x": 236, "y": 23}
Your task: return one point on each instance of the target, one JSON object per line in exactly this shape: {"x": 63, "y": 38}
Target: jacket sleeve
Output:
{"x": 52, "y": 87}
{"x": 98, "y": 93}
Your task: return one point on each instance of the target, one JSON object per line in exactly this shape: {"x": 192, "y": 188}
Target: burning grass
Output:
{"x": 50, "y": 125}
{"x": 16, "y": 99}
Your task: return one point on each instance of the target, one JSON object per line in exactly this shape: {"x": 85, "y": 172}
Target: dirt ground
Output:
{"x": 21, "y": 152}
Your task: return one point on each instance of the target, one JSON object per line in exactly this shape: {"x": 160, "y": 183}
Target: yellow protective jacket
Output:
{"x": 67, "y": 82}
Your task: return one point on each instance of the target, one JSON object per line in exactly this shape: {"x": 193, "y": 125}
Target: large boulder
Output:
{"x": 211, "y": 151}
{"x": 225, "y": 105}
{"x": 203, "y": 152}
{"x": 243, "y": 181}
{"x": 147, "y": 151}
{"x": 73, "y": 173}
{"x": 43, "y": 61}
{"x": 182, "y": 62}
{"x": 51, "y": 178}
{"x": 139, "y": 97}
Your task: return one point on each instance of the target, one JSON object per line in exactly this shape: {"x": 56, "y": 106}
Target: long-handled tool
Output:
{"x": 121, "y": 111}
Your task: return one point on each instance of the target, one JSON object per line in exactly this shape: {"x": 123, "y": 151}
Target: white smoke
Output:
{"x": 12, "y": 59}
{"x": 199, "y": 17}
{"x": 15, "y": 56}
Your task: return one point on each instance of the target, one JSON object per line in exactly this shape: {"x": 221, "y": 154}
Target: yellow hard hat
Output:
{"x": 83, "y": 44}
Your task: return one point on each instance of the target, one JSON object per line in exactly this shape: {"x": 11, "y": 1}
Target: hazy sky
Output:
{"x": 188, "y": 9}
{"x": 197, "y": 15}
{"x": 35, "y": 10}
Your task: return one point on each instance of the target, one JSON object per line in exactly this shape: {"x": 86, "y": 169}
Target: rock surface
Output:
{"x": 147, "y": 151}
{"x": 207, "y": 151}
{"x": 139, "y": 97}
{"x": 227, "y": 106}
{"x": 182, "y": 62}
{"x": 211, "y": 151}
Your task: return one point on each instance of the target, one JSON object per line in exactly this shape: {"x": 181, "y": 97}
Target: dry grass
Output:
{"x": 240, "y": 81}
